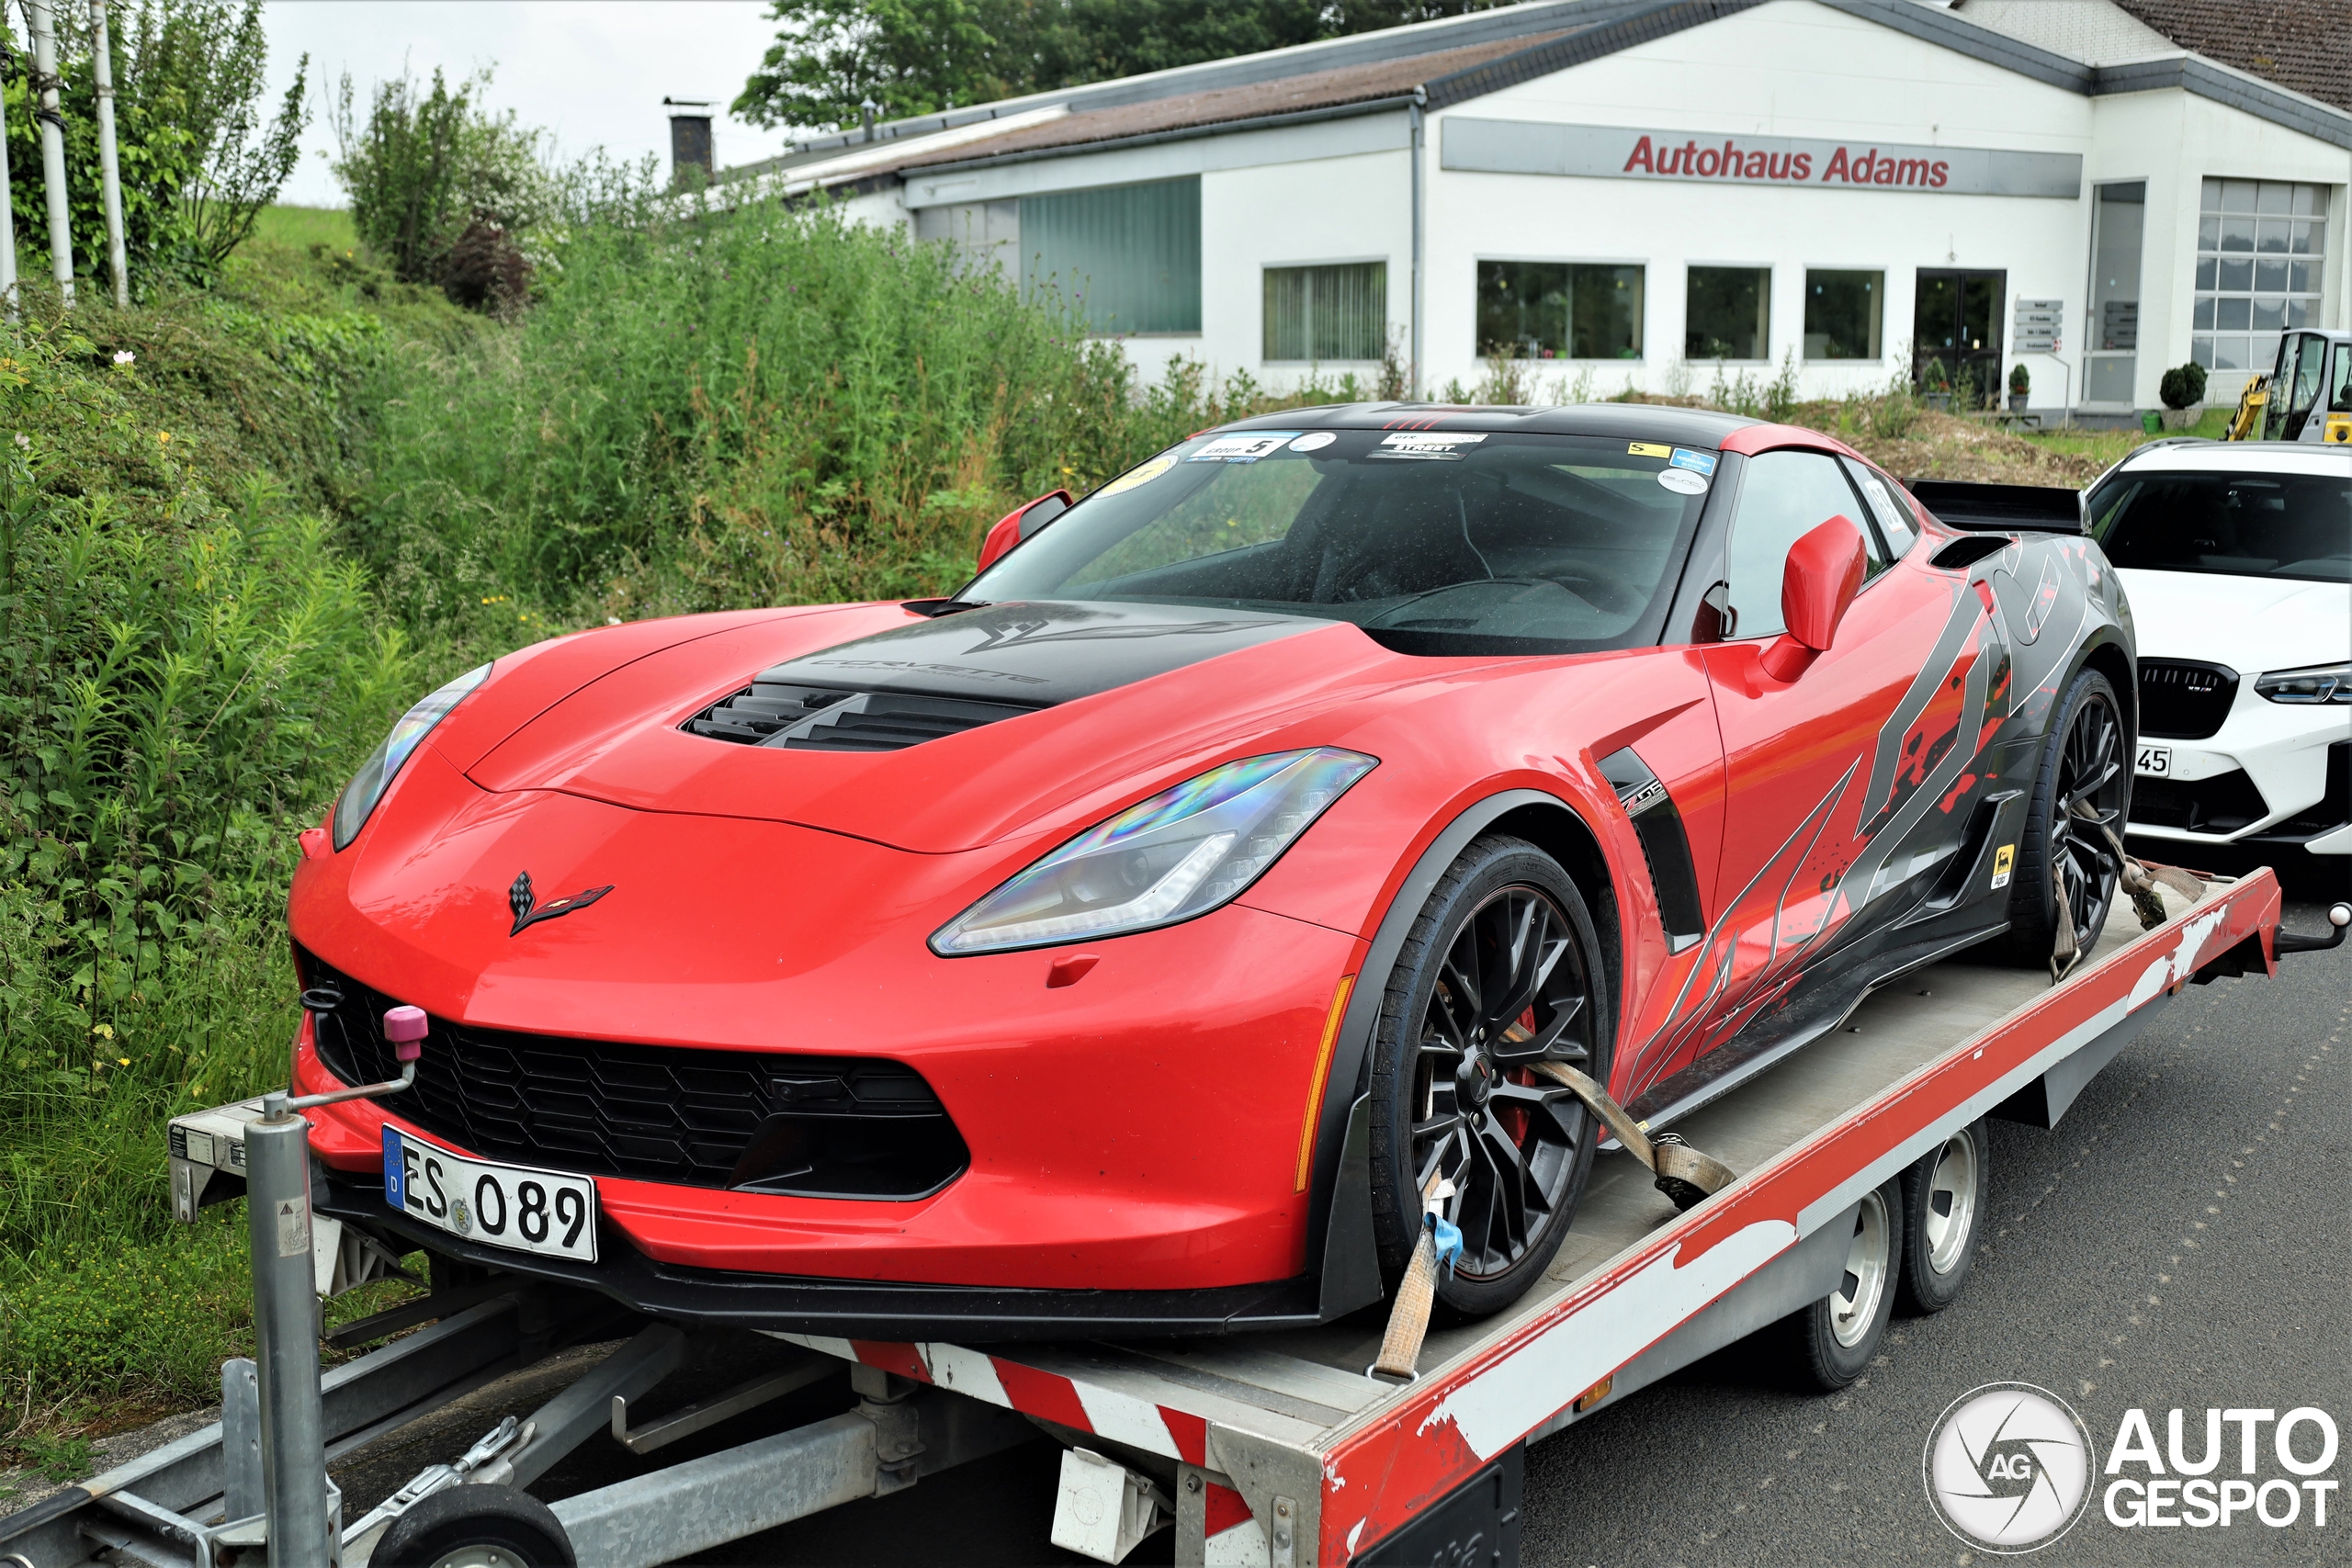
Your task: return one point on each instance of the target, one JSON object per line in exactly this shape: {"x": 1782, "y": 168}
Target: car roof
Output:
{"x": 2235, "y": 457}
{"x": 1654, "y": 421}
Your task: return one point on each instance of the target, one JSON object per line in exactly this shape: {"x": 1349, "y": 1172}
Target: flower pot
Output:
{"x": 2016, "y": 402}
{"x": 1939, "y": 401}
{"x": 2183, "y": 419}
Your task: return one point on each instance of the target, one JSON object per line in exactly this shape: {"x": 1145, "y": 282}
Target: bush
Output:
{"x": 2183, "y": 386}
{"x": 2020, "y": 381}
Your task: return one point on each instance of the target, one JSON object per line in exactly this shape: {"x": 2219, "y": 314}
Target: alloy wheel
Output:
{"x": 1853, "y": 1305}
{"x": 1512, "y": 990}
{"x": 1951, "y": 1210}
{"x": 2091, "y": 793}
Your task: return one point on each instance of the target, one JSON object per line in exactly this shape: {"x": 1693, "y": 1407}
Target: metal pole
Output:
{"x": 7, "y": 219}
{"x": 53, "y": 147}
{"x": 293, "y": 1443}
{"x": 109, "y": 165}
{"x": 1416, "y": 114}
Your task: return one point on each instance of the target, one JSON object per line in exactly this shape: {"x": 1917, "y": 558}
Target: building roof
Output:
{"x": 2304, "y": 46}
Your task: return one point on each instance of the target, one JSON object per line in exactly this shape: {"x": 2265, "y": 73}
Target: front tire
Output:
{"x": 1502, "y": 969}
{"x": 2081, "y": 790}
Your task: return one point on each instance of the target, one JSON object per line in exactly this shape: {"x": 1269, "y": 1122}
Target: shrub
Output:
{"x": 2020, "y": 380}
{"x": 2183, "y": 386}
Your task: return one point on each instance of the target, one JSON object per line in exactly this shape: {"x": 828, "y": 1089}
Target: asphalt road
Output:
{"x": 2179, "y": 1240}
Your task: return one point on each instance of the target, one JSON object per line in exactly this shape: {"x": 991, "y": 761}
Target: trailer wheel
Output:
{"x": 476, "y": 1527}
{"x": 1836, "y": 1336}
{"x": 1943, "y": 1195}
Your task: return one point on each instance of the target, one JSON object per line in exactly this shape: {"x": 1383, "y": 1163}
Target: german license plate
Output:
{"x": 2153, "y": 763}
{"x": 505, "y": 1205}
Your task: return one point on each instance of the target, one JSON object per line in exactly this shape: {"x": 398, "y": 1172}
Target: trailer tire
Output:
{"x": 1943, "y": 1195}
{"x": 476, "y": 1527}
{"x": 1833, "y": 1340}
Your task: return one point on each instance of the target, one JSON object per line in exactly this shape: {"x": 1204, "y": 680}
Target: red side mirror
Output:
{"x": 1824, "y": 570}
{"x": 1020, "y": 523}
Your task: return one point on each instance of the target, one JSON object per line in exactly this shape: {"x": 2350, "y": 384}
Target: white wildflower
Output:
{"x": 123, "y": 356}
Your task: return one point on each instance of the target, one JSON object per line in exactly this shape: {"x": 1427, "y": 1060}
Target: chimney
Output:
{"x": 690, "y": 145}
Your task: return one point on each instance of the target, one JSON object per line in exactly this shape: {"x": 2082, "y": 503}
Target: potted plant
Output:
{"x": 1935, "y": 381}
{"x": 2020, "y": 385}
{"x": 2183, "y": 391}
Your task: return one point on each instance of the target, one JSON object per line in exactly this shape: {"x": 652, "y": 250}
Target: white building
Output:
{"x": 1660, "y": 192}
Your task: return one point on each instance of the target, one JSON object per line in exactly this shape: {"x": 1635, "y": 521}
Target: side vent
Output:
{"x": 1664, "y": 845}
{"x": 814, "y": 718}
{"x": 1962, "y": 554}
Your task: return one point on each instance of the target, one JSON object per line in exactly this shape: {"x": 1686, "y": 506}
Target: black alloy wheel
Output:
{"x": 1501, "y": 972}
{"x": 2082, "y": 791}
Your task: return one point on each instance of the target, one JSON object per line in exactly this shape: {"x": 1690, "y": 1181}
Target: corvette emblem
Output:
{"x": 529, "y": 912}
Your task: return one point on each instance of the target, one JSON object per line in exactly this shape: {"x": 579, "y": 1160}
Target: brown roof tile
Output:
{"x": 2304, "y": 46}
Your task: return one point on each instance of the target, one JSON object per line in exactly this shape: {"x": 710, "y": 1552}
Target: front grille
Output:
{"x": 2184, "y": 701}
{"x": 809, "y": 1126}
{"x": 815, "y": 718}
{"x": 2223, "y": 804}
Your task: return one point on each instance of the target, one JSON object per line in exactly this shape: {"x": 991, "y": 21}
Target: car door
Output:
{"x": 1819, "y": 767}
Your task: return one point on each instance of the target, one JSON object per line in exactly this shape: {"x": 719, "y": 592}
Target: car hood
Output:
{"x": 2251, "y": 624}
{"x": 1088, "y": 705}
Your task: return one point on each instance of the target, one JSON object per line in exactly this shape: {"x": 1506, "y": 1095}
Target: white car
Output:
{"x": 2237, "y": 558}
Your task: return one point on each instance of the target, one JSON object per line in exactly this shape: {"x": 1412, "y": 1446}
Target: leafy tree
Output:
{"x": 914, "y": 57}
{"x": 201, "y": 154}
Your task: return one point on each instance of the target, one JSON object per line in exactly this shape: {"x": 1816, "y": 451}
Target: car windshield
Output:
{"x": 2295, "y": 526}
{"x": 1435, "y": 542}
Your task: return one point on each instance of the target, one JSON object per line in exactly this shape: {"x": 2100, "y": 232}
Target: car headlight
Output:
{"x": 1178, "y": 854}
{"x": 383, "y": 764}
{"x": 2328, "y": 684}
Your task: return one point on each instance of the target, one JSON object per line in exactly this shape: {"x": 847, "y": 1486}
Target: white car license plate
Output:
{"x": 505, "y": 1205}
{"x": 2154, "y": 762}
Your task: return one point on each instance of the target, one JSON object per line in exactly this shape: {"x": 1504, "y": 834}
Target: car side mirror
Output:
{"x": 1019, "y": 523}
{"x": 1824, "y": 570}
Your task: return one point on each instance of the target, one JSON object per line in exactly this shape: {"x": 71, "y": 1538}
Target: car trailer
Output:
{"x": 1275, "y": 1449}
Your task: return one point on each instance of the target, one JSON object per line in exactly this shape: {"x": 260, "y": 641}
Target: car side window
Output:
{"x": 1894, "y": 521}
{"x": 1782, "y": 497}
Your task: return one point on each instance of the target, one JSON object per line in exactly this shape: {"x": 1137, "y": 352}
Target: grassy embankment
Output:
{"x": 226, "y": 564}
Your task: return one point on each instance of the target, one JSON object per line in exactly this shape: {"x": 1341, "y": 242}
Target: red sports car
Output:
{"x": 1126, "y": 944}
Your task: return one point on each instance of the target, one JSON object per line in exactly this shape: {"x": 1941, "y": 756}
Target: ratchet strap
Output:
{"x": 2142, "y": 881}
{"x": 1682, "y": 1172}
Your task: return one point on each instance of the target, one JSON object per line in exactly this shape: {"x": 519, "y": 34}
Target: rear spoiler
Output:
{"x": 2000, "y": 509}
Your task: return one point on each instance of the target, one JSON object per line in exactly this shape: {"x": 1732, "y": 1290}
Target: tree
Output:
{"x": 913, "y": 57}
{"x": 201, "y": 154}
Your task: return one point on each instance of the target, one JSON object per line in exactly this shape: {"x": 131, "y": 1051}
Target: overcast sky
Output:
{"x": 594, "y": 71}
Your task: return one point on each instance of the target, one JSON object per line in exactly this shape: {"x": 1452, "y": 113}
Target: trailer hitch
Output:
{"x": 2339, "y": 916}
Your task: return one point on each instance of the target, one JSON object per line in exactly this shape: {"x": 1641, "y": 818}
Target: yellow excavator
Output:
{"x": 2305, "y": 396}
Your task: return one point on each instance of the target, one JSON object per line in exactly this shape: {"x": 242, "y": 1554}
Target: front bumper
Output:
{"x": 2275, "y": 776}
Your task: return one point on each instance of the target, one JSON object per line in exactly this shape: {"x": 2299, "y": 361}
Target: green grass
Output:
{"x": 299, "y": 227}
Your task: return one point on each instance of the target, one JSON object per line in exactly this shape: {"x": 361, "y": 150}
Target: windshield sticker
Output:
{"x": 1427, "y": 445}
{"x": 1141, "y": 474}
{"x": 1244, "y": 448}
{"x": 1313, "y": 440}
{"x": 1683, "y": 480}
{"x": 1697, "y": 462}
{"x": 1647, "y": 449}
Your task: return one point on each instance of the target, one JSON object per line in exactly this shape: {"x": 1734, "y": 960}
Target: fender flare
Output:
{"x": 1339, "y": 1197}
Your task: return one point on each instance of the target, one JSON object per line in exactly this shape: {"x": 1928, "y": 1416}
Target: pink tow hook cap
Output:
{"x": 405, "y": 1028}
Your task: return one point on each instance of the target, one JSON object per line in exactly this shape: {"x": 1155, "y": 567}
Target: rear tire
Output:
{"x": 476, "y": 1527}
{"x": 1832, "y": 1341}
{"x": 1944, "y": 1197}
{"x": 2085, "y": 761}
{"x": 1501, "y": 969}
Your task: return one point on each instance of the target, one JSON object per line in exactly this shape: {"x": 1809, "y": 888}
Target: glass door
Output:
{"x": 2111, "y": 343}
{"x": 1956, "y": 334}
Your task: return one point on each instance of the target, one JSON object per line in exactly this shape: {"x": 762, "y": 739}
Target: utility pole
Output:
{"x": 109, "y": 165}
{"x": 7, "y": 215}
{"x": 53, "y": 147}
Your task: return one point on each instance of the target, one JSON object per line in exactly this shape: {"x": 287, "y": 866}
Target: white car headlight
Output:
{"x": 2324, "y": 683}
{"x": 367, "y": 787}
{"x": 1181, "y": 854}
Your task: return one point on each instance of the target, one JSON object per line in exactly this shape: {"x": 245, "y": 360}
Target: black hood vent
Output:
{"x": 812, "y": 718}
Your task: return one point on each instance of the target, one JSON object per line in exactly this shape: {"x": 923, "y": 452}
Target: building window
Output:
{"x": 1842, "y": 312}
{"x": 1321, "y": 314}
{"x": 1559, "y": 311}
{"x": 1729, "y": 315}
{"x": 2259, "y": 263}
{"x": 1127, "y": 258}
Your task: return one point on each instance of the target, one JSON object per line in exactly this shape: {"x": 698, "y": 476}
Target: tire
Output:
{"x": 2085, "y": 758}
{"x": 1943, "y": 1198}
{"x": 1452, "y": 1091}
{"x": 476, "y": 1527}
{"x": 1832, "y": 1341}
